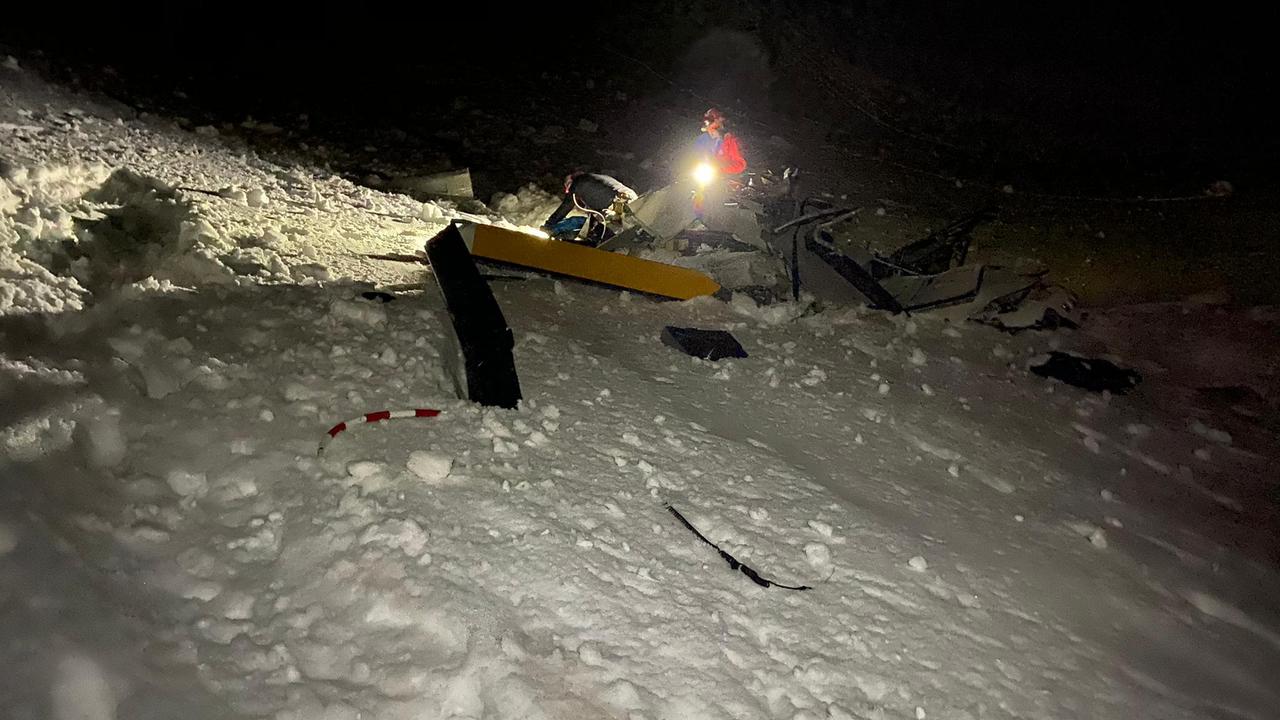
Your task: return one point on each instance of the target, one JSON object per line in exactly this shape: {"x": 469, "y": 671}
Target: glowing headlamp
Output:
{"x": 703, "y": 174}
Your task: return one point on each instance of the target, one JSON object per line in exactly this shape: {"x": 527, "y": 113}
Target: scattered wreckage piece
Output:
{"x": 1034, "y": 306}
{"x": 1092, "y": 374}
{"x": 918, "y": 293}
{"x": 930, "y": 274}
{"x": 482, "y": 333}
{"x": 669, "y": 212}
{"x": 449, "y": 185}
{"x": 940, "y": 251}
{"x": 705, "y": 344}
{"x": 665, "y": 212}
{"x": 555, "y": 257}
{"x": 880, "y": 298}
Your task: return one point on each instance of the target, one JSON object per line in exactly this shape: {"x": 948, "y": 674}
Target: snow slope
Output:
{"x": 982, "y": 543}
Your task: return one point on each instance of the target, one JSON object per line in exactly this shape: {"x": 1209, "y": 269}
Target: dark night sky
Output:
{"x": 1118, "y": 75}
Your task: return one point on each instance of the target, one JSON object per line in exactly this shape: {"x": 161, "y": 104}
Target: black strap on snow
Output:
{"x": 734, "y": 564}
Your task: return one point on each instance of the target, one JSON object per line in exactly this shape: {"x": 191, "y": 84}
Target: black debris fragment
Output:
{"x": 705, "y": 344}
{"x": 482, "y": 332}
{"x": 1092, "y": 374}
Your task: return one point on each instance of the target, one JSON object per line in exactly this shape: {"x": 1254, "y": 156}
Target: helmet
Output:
{"x": 713, "y": 117}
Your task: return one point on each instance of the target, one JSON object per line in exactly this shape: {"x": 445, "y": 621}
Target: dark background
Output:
{"x": 1093, "y": 94}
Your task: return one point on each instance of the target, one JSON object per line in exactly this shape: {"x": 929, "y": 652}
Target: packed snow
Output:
{"x": 182, "y": 319}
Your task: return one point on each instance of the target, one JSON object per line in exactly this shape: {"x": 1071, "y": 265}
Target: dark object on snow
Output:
{"x": 482, "y": 331}
{"x": 382, "y": 297}
{"x": 1093, "y": 374}
{"x": 705, "y": 344}
{"x": 734, "y": 564}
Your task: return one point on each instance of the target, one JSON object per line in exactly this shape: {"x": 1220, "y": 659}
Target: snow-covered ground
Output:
{"x": 181, "y": 321}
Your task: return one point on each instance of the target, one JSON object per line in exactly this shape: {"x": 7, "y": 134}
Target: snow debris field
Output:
{"x": 182, "y": 319}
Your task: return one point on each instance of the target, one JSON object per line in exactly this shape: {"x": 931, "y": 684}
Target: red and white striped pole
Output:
{"x": 375, "y": 417}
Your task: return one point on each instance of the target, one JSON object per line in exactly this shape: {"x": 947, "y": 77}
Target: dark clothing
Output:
{"x": 591, "y": 191}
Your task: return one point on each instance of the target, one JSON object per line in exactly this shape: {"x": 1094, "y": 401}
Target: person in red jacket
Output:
{"x": 720, "y": 144}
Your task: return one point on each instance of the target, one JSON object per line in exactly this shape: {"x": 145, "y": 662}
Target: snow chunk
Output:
{"x": 818, "y": 554}
{"x": 918, "y": 357}
{"x": 431, "y": 212}
{"x": 256, "y": 198}
{"x": 237, "y": 606}
{"x": 8, "y": 539}
{"x": 187, "y": 484}
{"x": 529, "y": 207}
{"x": 994, "y": 482}
{"x": 297, "y": 392}
{"x": 815, "y": 376}
{"x": 9, "y": 202}
{"x": 358, "y": 313}
{"x": 233, "y": 485}
{"x": 202, "y": 590}
{"x": 823, "y": 529}
{"x": 1137, "y": 430}
{"x": 235, "y": 195}
{"x": 271, "y": 239}
{"x": 364, "y": 468}
{"x": 918, "y": 563}
{"x": 28, "y": 288}
{"x": 405, "y": 535}
{"x": 1204, "y": 431}
{"x": 104, "y": 441}
{"x": 36, "y": 437}
{"x": 324, "y": 662}
{"x": 81, "y": 690}
{"x": 1096, "y": 536}
{"x": 430, "y": 467}
{"x": 369, "y": 475}
{"x": 1219, "y": 610}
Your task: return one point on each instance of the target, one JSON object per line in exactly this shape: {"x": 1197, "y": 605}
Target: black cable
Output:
{"x": 734, "y": 563}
